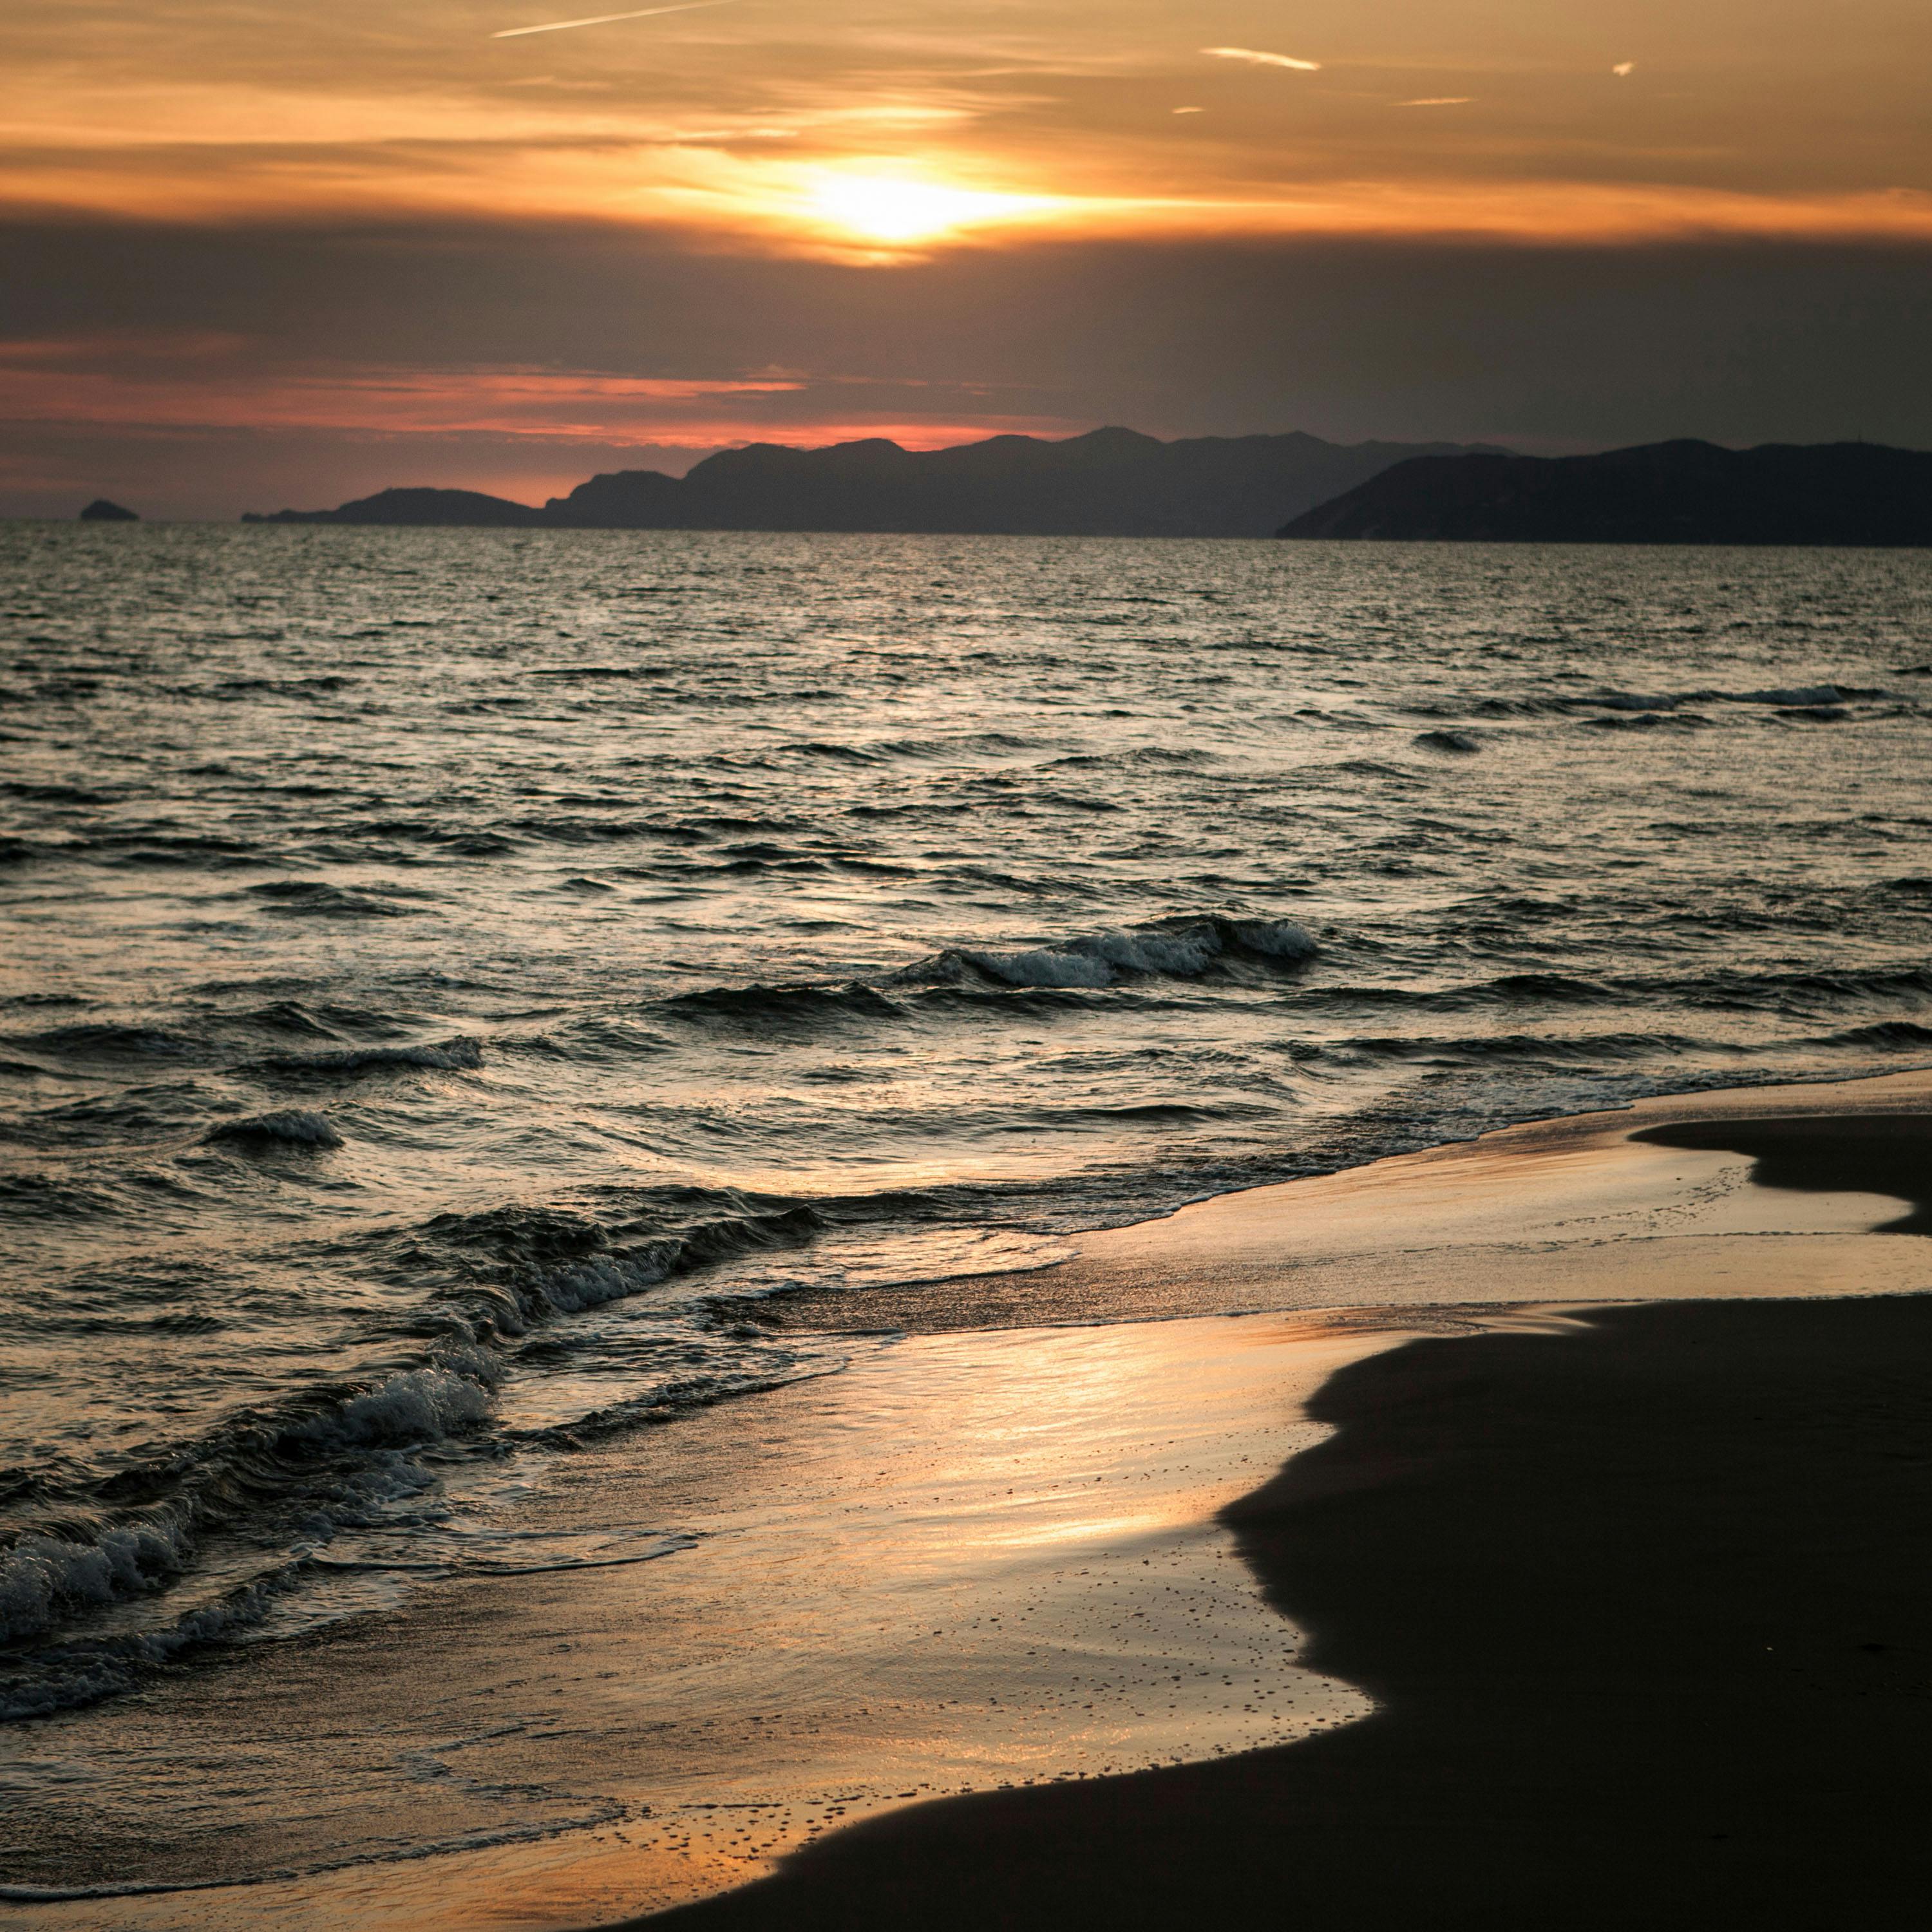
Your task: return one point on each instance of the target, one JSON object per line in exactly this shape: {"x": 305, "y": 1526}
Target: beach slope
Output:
{"x": 1644, "y": 1596}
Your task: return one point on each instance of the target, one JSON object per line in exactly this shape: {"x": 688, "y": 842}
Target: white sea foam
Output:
{"x": 1041, "y": 966}
{"x": 590, "y": 1284}
{"x": 1183, "y": 953}
{"x": 414, "y": 1406}
{"x": 1279, "y": 938}
{"x": 1178, "y": 948}
{"x": 295, "y": 1126}
{"x": 48, "y": 1578}
{"x": 83, "y": 1673}
{"x": 45, "y": 1578}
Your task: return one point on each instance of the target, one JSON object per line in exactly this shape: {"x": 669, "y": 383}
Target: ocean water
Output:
{"x": 452, "y": 979}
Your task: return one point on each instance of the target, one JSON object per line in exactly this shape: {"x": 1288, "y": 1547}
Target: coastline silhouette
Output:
{"x": 1684, "y": 492}
{"x": 1110, "y": 482}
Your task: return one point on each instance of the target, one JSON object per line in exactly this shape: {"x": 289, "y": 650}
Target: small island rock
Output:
{"x": 100, "y": 510}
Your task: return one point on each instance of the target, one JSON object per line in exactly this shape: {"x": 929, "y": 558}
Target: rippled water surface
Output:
{"x": 449, "y": 977}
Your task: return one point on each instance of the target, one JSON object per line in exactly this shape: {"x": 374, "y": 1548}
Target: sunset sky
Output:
{"x": 256, "y": 254}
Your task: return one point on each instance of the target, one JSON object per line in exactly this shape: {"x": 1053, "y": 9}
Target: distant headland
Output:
{"x": 100, "y": 510}
{"x": 1664, "y": 493}
{"x": 1117, "y": 482}
{"x": 1110, "y": 482}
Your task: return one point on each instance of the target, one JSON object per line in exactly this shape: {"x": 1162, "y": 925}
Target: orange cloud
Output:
{"x": 64, "y": 382}
{"x": 1052, "y": 120}
{"x": 190, "y": 383}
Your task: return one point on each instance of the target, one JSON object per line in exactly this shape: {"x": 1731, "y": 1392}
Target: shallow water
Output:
{"x": 973, "y": 1561}
{"x": 449, "y": 975}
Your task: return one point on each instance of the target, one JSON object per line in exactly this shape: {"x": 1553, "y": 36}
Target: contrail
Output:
{"x": 604, "y": 19}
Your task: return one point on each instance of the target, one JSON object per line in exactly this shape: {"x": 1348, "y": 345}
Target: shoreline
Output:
{"x": 1670, "y": 1674}
{"x": 967, "y": 1561}
{"x": 1579, "y": 1206}
{"x": 721, "y": 1717}
{"x": 1642, "y": 1594}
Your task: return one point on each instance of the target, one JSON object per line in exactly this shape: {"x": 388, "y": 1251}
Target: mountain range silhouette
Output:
{"x": 1117, "y": 482}
{"x": 1110, "y": 482}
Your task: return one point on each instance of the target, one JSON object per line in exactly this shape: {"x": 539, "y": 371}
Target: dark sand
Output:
{"x": 1646, "y": 1602}
{"x": 1868, "y": 1153}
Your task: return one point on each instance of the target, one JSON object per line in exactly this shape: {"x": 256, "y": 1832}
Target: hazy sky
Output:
{"x": 253, "y": 253}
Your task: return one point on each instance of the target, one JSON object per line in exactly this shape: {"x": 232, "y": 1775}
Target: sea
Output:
{"x": 454, "y": 983}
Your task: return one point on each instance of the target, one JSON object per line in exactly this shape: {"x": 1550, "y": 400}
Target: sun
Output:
{"x": 892, "y": 208}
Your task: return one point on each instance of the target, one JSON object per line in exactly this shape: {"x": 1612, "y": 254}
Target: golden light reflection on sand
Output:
{"x": 971, "y": 1560}
{"x": 1573, "y": 1209}
{"x": 974, "y": 1559}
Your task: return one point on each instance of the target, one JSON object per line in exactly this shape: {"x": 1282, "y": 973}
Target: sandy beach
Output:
{"x": 1763, "y": 1192}
{"x": 1530, "y": 1531}
{"x": 1642, "y": 1593}
{"x": 1644, "y": 1604}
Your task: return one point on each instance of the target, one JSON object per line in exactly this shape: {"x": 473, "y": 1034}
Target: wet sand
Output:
{"x": 1644, "y": 1599}
{"x": 968, "y": 1561}
{"x": 1647, "y": 1609}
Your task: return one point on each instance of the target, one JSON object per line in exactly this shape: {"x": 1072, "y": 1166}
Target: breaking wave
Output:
{"x": 1182, "y": 948}
{"x": 292, "y": 1127}
{"x": 287, "y": 1478}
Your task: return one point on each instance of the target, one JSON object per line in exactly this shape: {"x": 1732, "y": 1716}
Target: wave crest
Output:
{"x": 1183, "y": 948}
{"x": 459, "y": 1055}
{"x": 292, "y": 1127}
{"x": 295, "y": 1474}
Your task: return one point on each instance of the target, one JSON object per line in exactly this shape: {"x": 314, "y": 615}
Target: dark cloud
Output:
{"x": 1543, "y": 346}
